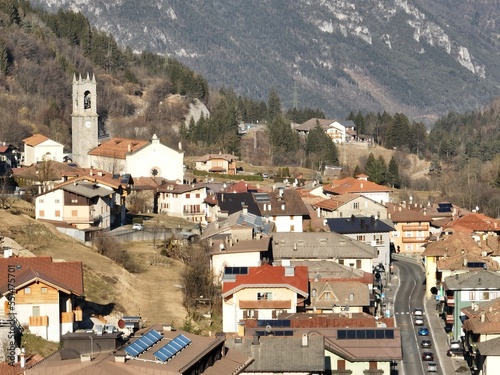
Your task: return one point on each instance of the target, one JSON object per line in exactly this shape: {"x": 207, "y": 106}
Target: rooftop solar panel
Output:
{"x": 171, "y": 349}
{"x": 143, "y": 343}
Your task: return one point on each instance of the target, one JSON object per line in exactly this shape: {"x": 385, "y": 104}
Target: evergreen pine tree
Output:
{"x": 392, "y": 175}
{"x": 273, "y": 105}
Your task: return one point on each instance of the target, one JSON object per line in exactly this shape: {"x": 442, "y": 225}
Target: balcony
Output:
{"x": 450, "y": 301}
{"x": 39, "y": 321}
{"x": 67, "y": 317}
{"x": 266, "y": 304}
{"x": 413, "y": 239}
{"x": 415, "y": 228}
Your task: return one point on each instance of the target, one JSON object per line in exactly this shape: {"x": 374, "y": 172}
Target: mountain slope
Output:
{"x": 420, "y": 57}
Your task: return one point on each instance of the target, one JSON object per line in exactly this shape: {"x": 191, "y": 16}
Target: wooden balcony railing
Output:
{"x": 67, "y": 317}
{"x": 39, "y": 321}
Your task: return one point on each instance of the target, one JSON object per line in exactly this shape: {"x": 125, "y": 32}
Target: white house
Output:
{"x": 39, "y": 148}
{"x": 80, "y": 203}
{"x": 262, "y": 293}
{"x": 346, "y": 205}
{"x": 359, "y": 185}
{"x": 45, "y": 293}
{"x": 184, "y": 201}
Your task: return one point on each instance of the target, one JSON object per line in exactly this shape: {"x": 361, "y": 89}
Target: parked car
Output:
{"x": 423, "y": 331}
{"x": 426, "y": 343}
{"x": 418, "y": 311}
{"x": 432, "y": 367}
{"x": 137, "y": 226}
{"x": 419, "y": 321}
{"x": 428, "y": 356}
{"x": 456, "y": 349}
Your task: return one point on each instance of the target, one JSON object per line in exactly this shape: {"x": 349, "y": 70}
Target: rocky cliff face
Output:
{"x": 420, "y": 57}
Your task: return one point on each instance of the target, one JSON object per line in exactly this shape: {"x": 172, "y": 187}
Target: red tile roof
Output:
{"x": 354, "y": 185}
{"x": 64, "y": 275}
{"x": 35, "y": 139}
{"x": 118, "y": 147}
{"x": 269, "y": 276}
{"x": 475, "y": 222}
{"x": 401, "y": 214}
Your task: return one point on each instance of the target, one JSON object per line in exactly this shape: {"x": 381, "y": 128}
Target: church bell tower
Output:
{"x": 84, "y": 119}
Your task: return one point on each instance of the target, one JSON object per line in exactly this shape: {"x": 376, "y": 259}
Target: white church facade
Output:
{"x": 139, "y": 158}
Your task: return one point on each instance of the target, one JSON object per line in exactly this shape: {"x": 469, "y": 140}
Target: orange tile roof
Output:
{"x": 354, "y": 185}
{"x": 454, "y": 244}
{"x": 35, "y": 139}
{"x": 402, "y": 214}
{"x": 269, "y": 276}
{"x": 118, "y": 147}
{"x": 66, "y": 275}
{"x": 475, "y": 222}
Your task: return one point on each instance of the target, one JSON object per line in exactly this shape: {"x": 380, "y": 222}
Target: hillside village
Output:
{"x": 294, "y": 262}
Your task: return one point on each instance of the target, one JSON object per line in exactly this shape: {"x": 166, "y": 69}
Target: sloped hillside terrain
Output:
{"x": 420, "y": 57}
{"x": 153, "y": 293}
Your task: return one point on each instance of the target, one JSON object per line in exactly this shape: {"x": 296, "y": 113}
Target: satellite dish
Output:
{"x": 269, "y": 329}
{"x": 121, "y": 323}
{"x": 17, "y": 351}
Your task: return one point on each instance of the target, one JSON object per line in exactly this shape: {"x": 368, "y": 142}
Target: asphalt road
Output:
{"x": 409, "y": 296}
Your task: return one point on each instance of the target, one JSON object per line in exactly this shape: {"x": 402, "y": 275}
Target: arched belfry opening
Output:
{"x": 87, "y": 100}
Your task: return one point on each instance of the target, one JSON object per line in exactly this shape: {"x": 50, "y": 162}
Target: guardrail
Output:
{"x": 417, "y": 259}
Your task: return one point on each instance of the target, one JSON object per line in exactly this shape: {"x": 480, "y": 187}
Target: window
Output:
{"x": 361, "y": 238}
{"x": 43, "y": 290}
{"x": 36, "y": 310}
{"x": 264, "y": 296}
{"x": 41, "y": 213}
{"x": 197, "y": 195}
{"x": 378, "y": 239}
{"x": 472, "y": 296}
{"x": 250, "y": 314}
{"x": 27, "y": 290}
{"x": 188, "y": 196}
{"x": 485, "y": 296}
{"x": 41, "y": 201}
{"x": 58, "y": 213}
{"x": 74, "y": 213}
{"x": 292, "y": 228}
{"x": 358, "y": 264}
{"x": 340, "y": 364}
{"x": 341, "y": 261}
{"x": 373, "y": 365}
{"x": 355, "y": 206}
{"x": 57, "y": 201}
{"x": 326, "y": 295}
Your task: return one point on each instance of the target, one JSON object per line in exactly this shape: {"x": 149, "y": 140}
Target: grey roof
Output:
{"x": 477, "y": 280}
{"x": 357, "y": 224}
{"x": 351, "y": 293}
{"x": 258, "y": 223}
{"x": 489, "y": 347}
{"x": 324, "y": 245}
{"x": 329, "y": 270}
{"x": 282, "y": 353}
{"x": 87, "y": 190}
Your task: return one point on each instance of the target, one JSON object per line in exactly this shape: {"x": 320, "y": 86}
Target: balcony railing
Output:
{"x": 39, "y": 321}
{"x": 415, "y": 227}
{"x": 67, "y": 317}
{"x": 266, "y": 304}
{"x": 449, "y": 319}
{"x": 413, "y": 239}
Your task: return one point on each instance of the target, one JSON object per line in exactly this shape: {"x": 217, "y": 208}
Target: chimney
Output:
{"x": 180, "y": 146}
{"x": 255, "y": 340}
{"x": 283, "y": 207}
{"x": 245, "y": 209}
{"x": 483, "y": 317}
{"x": 129, "y": 147}
{"x": 91, "y": 171}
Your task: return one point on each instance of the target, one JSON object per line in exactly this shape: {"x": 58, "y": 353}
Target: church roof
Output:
{"x": 118, "y": 147}
{"x": 35, "y": 140}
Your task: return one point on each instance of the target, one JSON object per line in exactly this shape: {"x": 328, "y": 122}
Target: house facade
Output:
{"x": 412, "y": 229}
{"x": 45, "y": 293}
{"x": 368, "y": 230}
{"x": 95, "y": 199}
{"x": 184, "y": 201}
{"x": 346, "y": 205}
{"x": 262, "y": 293}
{"x": 217, "y": 163}
{"x": 38, "y": 148}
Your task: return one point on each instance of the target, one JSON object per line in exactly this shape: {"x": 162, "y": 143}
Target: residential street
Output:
{"x": 407, "y": 290}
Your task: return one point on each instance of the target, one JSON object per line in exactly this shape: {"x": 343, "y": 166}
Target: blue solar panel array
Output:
{"x": 363, "y": 334}
{"x": 168, "y": 351}
{"x": 143, "y": 343}
{"x": 275, "y": 333}
{"x": 274, "y": 323}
